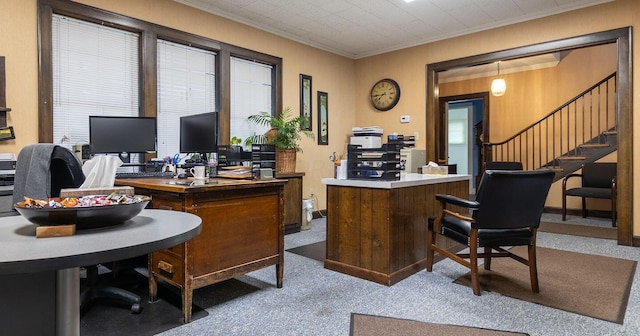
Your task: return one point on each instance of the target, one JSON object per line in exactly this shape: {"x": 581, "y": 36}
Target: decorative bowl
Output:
{"x": 84, "y": 217}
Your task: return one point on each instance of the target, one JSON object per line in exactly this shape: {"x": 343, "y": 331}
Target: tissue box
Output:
{"x": 439, "y": 170}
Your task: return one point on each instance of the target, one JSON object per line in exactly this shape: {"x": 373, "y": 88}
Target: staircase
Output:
{"x": 584, "y": 129}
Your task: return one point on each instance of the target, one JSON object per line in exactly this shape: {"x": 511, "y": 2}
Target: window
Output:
{"x": 150, "y": 88}
{"x": 95, "y": 72}
{"x": 251, "y": 92}
{"x": 186, "y": 85}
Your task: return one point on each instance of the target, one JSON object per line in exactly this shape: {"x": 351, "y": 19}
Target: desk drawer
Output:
{"x": 168, "y": 266}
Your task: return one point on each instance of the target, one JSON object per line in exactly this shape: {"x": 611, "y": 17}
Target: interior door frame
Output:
{"x": 442, "y": 111}
{"x": 622, "y": 38}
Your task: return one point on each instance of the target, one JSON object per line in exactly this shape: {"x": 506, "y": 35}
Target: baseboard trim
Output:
{"x": 578, "y": 212}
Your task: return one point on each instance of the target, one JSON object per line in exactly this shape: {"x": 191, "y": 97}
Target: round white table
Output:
{"x": 21, "y": 253}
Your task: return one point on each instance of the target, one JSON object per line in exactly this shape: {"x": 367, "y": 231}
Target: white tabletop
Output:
{"x": 406, "y": 180}
{"x": 151, "y": 230}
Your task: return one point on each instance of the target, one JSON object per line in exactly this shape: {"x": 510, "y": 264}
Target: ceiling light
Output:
{"x": 498, "y": 85}
{"x": 407, "y": 1}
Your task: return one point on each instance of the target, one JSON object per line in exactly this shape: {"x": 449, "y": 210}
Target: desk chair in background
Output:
{"x": 506, "y": 213}
{"x": 42, "y": 170}
{"x": 503, "y": 165}
{"x": 598, "y": 181}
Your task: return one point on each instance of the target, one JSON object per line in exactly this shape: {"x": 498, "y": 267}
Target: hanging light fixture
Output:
{"x": 498, "y": 85}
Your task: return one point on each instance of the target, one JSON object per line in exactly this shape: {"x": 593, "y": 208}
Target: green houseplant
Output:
{"x": 285, "y": 132}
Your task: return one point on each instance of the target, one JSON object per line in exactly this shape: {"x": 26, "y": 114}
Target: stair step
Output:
{"x": 572, "y": 158}
{"x": 594, "y": 145}
{"x": 610, "y": 132}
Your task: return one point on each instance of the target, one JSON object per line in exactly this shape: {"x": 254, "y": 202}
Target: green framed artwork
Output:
{"x": 323, "y": 118}
{"x": 306, "y": 100}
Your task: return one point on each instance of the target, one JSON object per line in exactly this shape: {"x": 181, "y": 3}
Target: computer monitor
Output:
{"x": 122, "y": 135}
{"x": 199, "y": 134}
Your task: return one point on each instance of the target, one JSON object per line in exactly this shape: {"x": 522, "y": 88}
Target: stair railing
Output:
{"x": 585, "y": 119}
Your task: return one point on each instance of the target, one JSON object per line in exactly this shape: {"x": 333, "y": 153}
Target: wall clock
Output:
{"x": 385, "y": 94}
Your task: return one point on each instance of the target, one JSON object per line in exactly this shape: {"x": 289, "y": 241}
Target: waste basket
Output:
{"x": 307, "y": 213}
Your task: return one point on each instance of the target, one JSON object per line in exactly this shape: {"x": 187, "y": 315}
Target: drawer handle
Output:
{"x": 165, "y": 266}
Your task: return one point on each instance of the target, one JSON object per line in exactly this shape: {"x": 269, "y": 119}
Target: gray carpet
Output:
{"x": 316, "y": 301}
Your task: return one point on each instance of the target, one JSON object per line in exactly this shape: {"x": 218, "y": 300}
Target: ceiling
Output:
{"x": 361, "y": 28}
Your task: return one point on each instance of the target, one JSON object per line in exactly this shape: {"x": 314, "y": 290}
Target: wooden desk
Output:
{"x": 292, "y": 201}
{"x": 242, "y": 231}
{"x": 377, "y": 230}
{"x": 40, "y": 278}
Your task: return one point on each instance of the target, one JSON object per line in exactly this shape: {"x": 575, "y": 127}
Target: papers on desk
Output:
{"x": 236, "y": 172}
{"x": 367, "y": 130}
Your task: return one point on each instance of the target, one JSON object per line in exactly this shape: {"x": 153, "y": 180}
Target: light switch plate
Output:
{"x": 405, "y": 119}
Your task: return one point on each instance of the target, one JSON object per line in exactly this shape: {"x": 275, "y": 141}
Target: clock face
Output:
{"x": 385, "y": 94}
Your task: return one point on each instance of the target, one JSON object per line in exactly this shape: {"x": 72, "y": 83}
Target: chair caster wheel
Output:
{"x": 136, "y": 308}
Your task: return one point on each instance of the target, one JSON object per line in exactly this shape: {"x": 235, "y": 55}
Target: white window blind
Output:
{"x": 186, "y": 86}
{"x": 251, "y": 93}
{"x": 95, "y": 72}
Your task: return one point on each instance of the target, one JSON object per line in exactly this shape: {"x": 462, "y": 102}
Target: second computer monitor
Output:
{"x": 199, "y": 133}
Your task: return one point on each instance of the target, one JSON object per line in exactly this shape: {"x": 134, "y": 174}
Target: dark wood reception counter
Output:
{"x": 377, "y": 230}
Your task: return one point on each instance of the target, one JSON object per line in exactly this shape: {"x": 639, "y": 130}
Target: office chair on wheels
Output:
{"x": 42, "y": 170}
{"x": 506, "y": 213}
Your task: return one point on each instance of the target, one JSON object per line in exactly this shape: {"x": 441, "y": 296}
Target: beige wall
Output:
{"x": 347, "y": 81}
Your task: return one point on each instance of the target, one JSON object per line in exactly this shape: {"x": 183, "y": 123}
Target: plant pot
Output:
{"x": 285, "y": 160}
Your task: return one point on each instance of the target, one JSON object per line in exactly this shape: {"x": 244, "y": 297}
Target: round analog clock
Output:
{"x": 385, "y": 94}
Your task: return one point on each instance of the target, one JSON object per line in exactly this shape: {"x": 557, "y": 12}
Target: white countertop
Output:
{"x": 406, "y": 180}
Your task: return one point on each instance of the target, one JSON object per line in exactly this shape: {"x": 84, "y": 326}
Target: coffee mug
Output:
{"x": 197, "y": 172}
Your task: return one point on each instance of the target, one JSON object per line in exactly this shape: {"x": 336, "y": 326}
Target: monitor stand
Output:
{"x": 125, "y": 157}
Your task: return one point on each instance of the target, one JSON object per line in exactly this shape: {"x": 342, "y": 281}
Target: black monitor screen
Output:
{"x": 199, "y": 133}
{"x": 108, "y": 134}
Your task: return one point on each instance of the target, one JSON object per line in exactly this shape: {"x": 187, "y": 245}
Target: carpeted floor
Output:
{"x": 584, "y": 284}
{"x": 371, "y": 325}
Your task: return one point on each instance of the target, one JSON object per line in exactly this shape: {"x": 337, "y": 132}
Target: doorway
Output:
{"x": 478, "y": 105}
{"x": 464, "y": 148}
{"x": 622, "y": 38}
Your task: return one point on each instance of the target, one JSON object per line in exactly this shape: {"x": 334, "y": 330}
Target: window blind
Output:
{"x": 186, "y": 86}
{"x": 251, "y": 93}
{"x": 95, "y": 72}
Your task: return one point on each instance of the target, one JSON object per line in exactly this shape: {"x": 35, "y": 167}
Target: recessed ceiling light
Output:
{"x": 407, "y": 1}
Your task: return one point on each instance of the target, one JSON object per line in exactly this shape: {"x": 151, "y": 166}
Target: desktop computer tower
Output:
{"x": 413, "y": 159}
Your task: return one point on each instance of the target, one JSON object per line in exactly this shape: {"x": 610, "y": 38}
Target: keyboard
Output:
{"x": 143, "y": 174}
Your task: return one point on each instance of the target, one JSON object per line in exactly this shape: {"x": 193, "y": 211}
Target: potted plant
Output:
{"x": 284, "y": 134}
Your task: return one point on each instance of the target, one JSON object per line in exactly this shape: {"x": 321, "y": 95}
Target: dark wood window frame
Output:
{"x": 622, "y": 38}
{"x": 149, "y": 35}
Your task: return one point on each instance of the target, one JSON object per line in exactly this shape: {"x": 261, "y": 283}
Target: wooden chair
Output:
{"x": 598, "y": 181}
{"x": 506, "y": 212}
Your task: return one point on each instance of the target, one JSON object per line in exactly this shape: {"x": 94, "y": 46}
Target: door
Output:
{"x": 460, "y": 139}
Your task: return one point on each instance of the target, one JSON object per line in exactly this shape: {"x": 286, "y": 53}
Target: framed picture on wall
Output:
{"x": 306, "y": 100}
{"x": 323, "y": 121}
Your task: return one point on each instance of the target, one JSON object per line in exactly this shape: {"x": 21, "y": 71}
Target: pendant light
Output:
{"x": 498, "y": 85}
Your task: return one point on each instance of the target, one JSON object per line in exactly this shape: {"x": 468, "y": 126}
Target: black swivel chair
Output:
{"x": 65, "y": 171}
{"x": 506, "y": 213}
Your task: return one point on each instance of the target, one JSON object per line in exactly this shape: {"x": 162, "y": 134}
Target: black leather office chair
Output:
{"x": 598, "y": 181}
{"x": 506, "y": 213}
{"x": 42, "y": 170}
